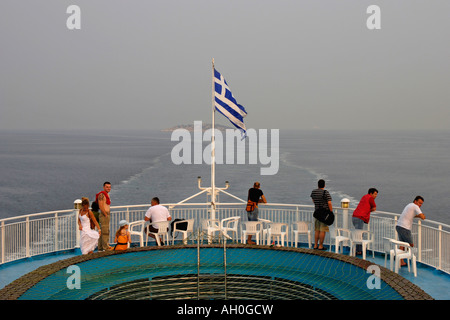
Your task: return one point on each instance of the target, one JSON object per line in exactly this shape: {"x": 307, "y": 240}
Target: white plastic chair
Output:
{"x": 363, "y": 237}
{"x": 388, "y": 251}
{"x": 211, "y": 226}
{"x": 251, "y": 228}
{"x": 276, "y": 230}
{"x": 341, "y": 235}
{"x": 301, "y": 227}
{"x": 230, "y": 225}
{"x": 137, "y": 228}
{"x": 189, "y": 229}
{"x": 398, "y": 254}
{"x": 163, "y": 230}
{"x": 265, "y": 229}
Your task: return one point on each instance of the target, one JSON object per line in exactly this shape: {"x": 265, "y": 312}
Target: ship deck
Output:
{"x": 53, "y": 236}
{"x": 434, "y": 282}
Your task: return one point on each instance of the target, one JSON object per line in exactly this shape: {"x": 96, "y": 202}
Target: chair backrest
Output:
{"x": 136, "y": 224}
{"x": 265, "y": 223}
{"x": 276, "y": 228}
{"x": 358, "y": 235}
{"x": 210, "y": 223}
{"x": 251, "y": 226}
{"x": 301, "y": 226}
{"x": 397, "y": 244}
{"x": 387, "y": 244}
{"x": 343, "y": 232}
{"x": 190, "y": 225}
{"x": 162, "y": 226}
{"x": 230, "y": 223}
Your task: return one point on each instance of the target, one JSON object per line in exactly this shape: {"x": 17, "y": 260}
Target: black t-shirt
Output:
{"x": 254, "y": 194}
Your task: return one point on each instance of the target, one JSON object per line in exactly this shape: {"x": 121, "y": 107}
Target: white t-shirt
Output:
{"x": 157, "y": 213}
{"x": 407, "y": 216}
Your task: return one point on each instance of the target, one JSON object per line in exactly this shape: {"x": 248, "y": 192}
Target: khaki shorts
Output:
{"x": 320, "y": 226}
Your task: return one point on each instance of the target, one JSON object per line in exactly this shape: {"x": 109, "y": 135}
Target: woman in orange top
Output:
{"x": 123, "y": 237}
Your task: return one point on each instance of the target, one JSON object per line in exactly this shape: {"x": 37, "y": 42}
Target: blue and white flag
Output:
{"x": 226, "y": 104}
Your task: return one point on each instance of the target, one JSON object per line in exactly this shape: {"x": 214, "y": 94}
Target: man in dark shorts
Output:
{"x": 256, "y": 195}
{"x": 405, "y": 222}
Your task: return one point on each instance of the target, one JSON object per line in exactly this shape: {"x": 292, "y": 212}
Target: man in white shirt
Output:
{"x": 156, "y": 213}
{"x": 405, "y": 222}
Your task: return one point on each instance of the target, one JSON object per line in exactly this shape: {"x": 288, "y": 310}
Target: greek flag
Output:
{"x": 226, "y": 104}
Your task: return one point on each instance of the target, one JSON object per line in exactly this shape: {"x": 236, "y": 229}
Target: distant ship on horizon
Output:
{"x": 190, "y": 127}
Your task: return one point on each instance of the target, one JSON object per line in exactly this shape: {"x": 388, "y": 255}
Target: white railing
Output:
{"x": 35, "y": 234}
{"x": 48, "y": 232}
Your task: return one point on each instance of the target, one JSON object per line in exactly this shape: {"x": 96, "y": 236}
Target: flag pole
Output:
{"x": 213, "y": 153}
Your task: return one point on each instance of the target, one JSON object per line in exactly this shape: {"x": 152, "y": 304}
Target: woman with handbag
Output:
{"x": 89, "y": 237}
{"x": 255, "y": 196}
{"x": 322, "y": 200}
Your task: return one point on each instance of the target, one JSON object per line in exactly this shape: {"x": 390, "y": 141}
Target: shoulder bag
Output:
{"x": 250, "y": 206}
{"x": 324, "y": 215}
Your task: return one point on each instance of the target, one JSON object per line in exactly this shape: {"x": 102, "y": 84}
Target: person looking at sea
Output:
{"x": 361, "y": 215}
{"x": 405, "y": 221}
{"x": 256, "y": 195}
{"x": 321, "y": 199}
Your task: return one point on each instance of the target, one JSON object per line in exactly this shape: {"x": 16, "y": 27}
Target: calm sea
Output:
{"x": 46, "y": 171}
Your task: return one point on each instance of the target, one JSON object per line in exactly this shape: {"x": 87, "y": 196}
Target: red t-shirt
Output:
{"x": 362, "y": 211}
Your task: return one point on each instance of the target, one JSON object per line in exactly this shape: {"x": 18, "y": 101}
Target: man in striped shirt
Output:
{"x": 321, "y": 199}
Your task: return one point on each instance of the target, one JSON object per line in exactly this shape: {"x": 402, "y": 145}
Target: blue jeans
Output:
{"x": 404, "y": 235}
{"x": 253, "y": 215}
{"x": 358, "y": 224}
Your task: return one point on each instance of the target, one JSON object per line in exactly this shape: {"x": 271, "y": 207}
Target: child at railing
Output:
{"x": 123, "y": 237}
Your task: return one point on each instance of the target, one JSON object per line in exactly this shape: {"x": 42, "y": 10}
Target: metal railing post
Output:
{"x": 56, "y": 231}
{"x": 198, "y": 265}
{"x": 3, "y": 241}
{"x": 77, "y": 206}
{"x": 27, "y": 237}
{"x": 419, "y": 240}
{"x": 440, "y": 247}
{"x": 225, "y": 265}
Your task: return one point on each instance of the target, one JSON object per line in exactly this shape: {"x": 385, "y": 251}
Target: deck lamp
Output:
{"x": 345, "y": 203}
{"x": 77, "y": 204}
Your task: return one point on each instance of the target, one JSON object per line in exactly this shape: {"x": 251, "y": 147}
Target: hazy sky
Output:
{"x": 292, "y": 64}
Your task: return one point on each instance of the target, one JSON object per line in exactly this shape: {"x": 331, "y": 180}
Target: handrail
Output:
{"x": 27, "y": 229}
{"x": 428, "y": 221}
{"x": 36, "y": 215}
{"x": 173, "y": 205}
